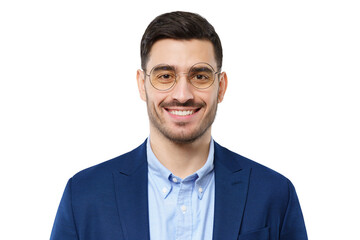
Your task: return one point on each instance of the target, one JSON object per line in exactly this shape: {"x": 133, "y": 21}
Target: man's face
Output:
{"x": 183, "y": 113}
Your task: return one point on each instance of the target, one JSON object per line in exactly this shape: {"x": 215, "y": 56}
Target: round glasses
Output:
{"x": 163, "y": 76}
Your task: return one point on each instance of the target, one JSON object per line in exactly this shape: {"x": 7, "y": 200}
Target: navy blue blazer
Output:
{"x": 110, "y": 201}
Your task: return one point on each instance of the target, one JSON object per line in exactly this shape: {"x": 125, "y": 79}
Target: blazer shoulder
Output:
{"x": 125, "y": 163}
{"x": 259, "y": 172}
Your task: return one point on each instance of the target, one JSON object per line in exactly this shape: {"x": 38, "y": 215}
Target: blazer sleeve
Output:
{"x": 64, "y": 226}
{"x": 293, "y": 227}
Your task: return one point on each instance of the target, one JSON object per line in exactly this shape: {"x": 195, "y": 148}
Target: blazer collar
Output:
{"x": 131, "y": 191}
{"x": 231, "y": 187}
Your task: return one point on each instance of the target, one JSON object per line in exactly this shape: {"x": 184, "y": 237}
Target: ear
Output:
{"x": 140, "y": 76}
{"x": 223, "y": 82}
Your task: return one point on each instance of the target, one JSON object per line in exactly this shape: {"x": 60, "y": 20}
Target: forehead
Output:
{"x": 182, "y": 54}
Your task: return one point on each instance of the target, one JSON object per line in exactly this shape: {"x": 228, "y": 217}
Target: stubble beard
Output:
{"x": 180, "y": 137}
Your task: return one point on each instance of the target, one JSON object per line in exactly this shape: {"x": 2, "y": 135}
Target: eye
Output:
{"x": 165, "y": 76}
{"x": 201, "y": 77}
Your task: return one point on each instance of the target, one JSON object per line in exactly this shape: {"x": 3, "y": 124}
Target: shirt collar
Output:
{"x": 205, "y": 173}
{"x": 158, "y": 172}
{"x": 164, "y": 178}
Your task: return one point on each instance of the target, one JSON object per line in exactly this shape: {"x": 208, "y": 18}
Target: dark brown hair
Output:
{"x": 180, "y": 26}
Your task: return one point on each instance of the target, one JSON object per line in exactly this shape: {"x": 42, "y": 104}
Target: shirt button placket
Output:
{"x": 184, "y": 226}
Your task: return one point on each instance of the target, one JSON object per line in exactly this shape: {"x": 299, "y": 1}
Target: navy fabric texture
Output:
{"x": 110, "y": 201}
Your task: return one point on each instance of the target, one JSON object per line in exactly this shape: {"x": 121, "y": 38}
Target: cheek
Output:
{"x": 155, "y": 98}
{"x": 210, "y": 99}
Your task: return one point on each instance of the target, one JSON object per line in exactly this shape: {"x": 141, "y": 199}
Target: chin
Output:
{"x": 182, "y": 137}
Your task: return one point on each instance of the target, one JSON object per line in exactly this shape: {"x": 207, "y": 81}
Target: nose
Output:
{"x": 182, "y": 91}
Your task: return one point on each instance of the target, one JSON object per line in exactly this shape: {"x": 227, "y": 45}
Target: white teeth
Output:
{"x": 182, "y": 113}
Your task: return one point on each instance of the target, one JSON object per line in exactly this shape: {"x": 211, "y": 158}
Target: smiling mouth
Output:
{"x": 178, "y": 112}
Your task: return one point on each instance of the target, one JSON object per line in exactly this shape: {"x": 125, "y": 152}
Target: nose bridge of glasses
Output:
{"x": 178, "y": 75}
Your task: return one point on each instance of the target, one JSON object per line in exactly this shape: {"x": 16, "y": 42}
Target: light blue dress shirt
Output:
{"x": 181, "y": 209}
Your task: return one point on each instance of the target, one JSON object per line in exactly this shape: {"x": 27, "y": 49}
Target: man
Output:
{"x": 180, "y": 184}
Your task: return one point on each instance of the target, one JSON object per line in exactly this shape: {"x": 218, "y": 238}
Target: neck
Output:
{"x": 182, "y": 159}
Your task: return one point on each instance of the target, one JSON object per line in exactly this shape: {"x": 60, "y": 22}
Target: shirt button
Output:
{"x": 200, "y": 190}
{"x": 164, "y": 190}
{"x": 183, "y": 208}
{"x": 175, "y": 180}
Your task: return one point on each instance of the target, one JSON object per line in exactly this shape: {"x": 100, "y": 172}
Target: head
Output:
{"x": 183, "y": 113}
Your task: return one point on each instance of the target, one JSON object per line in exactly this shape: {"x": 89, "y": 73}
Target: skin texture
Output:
{"x": 181, "y": 143}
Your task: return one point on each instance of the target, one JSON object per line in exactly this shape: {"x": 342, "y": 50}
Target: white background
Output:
{"x": 69, "y": 100}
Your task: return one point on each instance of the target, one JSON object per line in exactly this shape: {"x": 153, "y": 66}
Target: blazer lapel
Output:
{"x": 231, "y": 187}
{"x": 131, "y": 189}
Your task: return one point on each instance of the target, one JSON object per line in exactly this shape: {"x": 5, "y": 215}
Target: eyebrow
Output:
{"x": 201, "y": 69}
{"x": 163, "y": 67}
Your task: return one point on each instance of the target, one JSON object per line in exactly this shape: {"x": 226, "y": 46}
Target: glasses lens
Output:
{"x": 162, "y": 77}
{"x": 202, "y": 75}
